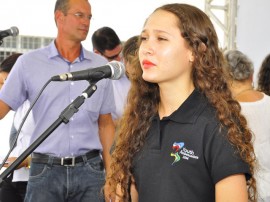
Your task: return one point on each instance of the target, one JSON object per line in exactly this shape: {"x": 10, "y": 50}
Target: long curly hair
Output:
{"x": 208, "y": 77}
{"x": 264, "y": 76}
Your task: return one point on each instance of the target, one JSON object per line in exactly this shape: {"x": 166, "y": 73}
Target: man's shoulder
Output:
{"x": 38, "y": 52}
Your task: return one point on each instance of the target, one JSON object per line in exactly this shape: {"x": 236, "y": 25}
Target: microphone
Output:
{"x": 13, "y": 31}
{"x": 113, "y": 70}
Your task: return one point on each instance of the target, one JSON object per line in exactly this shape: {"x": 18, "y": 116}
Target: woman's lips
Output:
{"x": 147, "y": 64}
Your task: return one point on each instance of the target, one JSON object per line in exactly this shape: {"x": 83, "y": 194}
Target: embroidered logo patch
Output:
{"x": 179, "y": 151}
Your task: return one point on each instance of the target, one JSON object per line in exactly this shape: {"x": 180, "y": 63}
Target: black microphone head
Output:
{"x": 118, "y": 69}
{"x": 14, "y": 31}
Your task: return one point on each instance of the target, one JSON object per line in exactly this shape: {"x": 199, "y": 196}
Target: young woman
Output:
{"x": 182, "y": 137}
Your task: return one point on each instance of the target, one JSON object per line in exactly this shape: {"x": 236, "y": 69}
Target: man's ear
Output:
{"x": 97, "y": 52}
{"x": 59, "y": 16}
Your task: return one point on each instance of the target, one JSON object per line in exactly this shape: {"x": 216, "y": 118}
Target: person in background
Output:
{"x": 130, "y": 50}
{"x": 68, "y": 165}
{"x": 182, "y": 136}
{"x": 3, "y": 75}
{"x": 255, "y": 105}
{"x": 14, "y": 187}
{"x": 121, "y": 87}
{"x": 106, "y": 42}
{"x": 264, "y": 76}
{"x": 5, "y": 68}
{"x": 129, "y": 54}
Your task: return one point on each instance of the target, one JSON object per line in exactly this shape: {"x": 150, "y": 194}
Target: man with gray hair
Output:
{"x": 68, "y": 165}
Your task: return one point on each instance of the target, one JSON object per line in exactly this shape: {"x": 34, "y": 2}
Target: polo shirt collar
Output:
{"x": 190, "y": 110}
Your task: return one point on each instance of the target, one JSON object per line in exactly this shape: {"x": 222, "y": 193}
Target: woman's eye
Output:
{"x": 162, "y": 39}
{"x": 143, "y": 38}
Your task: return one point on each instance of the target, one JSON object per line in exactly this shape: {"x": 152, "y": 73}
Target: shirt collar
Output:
{"x": 190, "y": 110}
{"x": 84, "y": 55}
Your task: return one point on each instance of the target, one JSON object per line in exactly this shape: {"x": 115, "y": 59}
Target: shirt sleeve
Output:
{"x": 108, "y": 105}
{"x": 222, "y": 157}
{"x": 14, "y": 92}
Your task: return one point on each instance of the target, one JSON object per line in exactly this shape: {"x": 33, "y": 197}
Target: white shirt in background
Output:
{"x": 258, "y": 118}
{"x": 23, "y": 140}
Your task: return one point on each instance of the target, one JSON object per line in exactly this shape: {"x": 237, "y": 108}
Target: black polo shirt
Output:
{"x": 185, "y": 155}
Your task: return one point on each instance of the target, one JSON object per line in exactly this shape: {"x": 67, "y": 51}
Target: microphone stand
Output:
{"x": 64, "y": 117}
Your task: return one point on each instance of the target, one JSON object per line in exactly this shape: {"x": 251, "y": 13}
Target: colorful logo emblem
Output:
{"x": 180, "y": 152}
{"x": 177, "y": 146}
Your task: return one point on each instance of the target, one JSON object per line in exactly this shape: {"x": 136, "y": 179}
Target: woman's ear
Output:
{"x": 191, "y": 57}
